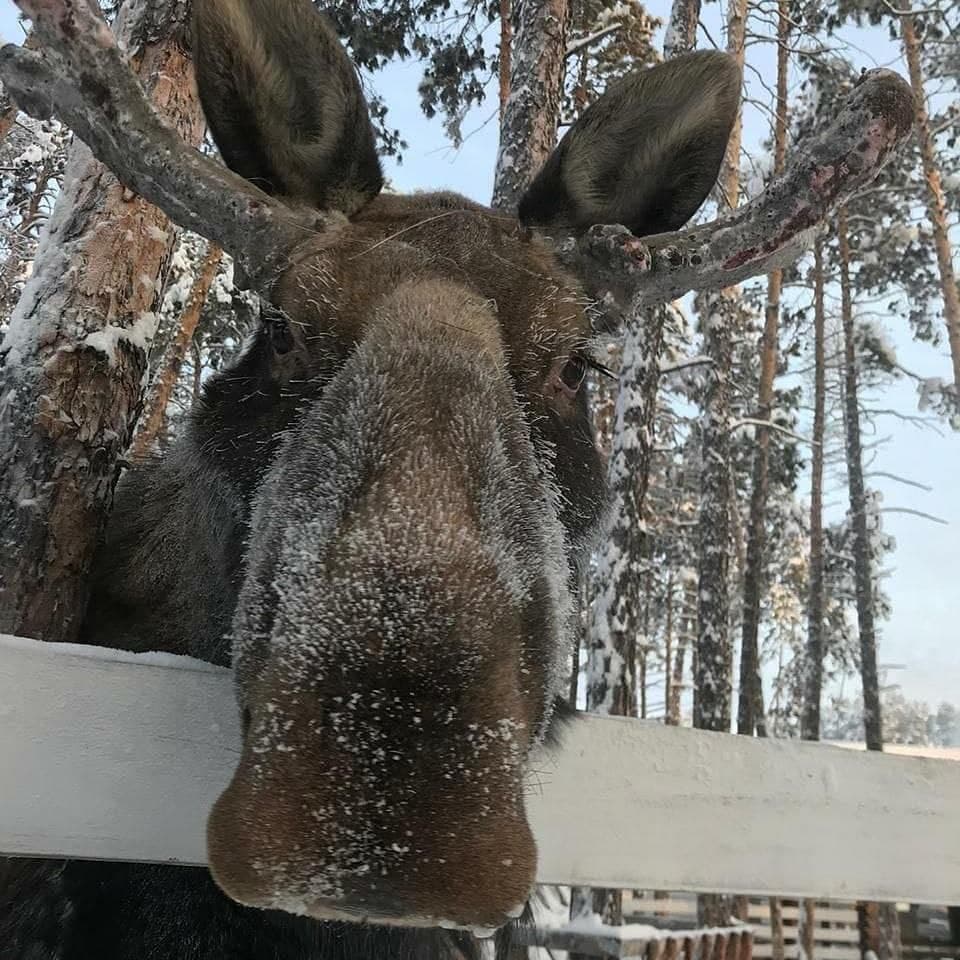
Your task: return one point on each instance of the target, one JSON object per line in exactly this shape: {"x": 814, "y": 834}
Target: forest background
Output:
{"x": 442, "y": 61}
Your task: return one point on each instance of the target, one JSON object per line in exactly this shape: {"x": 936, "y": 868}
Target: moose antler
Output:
{"x": 79, "y": 72}
{"x": 827, "y": 170}
{"x": 82, "y": 75}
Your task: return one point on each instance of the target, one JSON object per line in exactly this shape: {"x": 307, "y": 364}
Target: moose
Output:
{"x": 375, "y": 515}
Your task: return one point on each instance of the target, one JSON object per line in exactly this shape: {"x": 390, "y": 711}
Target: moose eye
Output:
{"x": 573, "y": 373}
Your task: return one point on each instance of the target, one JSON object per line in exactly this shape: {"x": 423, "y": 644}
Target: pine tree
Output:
{"x": 76, "y": 353}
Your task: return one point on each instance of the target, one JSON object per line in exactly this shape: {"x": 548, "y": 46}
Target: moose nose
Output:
{"x": 453, "y": 863}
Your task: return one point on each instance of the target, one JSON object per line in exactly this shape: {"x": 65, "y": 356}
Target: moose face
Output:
{"x": 403, "y": 628}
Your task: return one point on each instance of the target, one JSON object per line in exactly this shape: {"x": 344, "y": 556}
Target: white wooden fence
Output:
{"x": 106, "y": 755}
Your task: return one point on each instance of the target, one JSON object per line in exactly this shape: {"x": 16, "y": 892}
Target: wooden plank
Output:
{"x": 112, "y": 756}
{"x": 667, "y": 907}
{"x": 821, "y": 935}
{"x": 760, "y": 913}
{"x": 762, "y": 951}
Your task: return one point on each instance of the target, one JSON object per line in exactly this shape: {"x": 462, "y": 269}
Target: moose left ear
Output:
{"x": 646, "y": 154}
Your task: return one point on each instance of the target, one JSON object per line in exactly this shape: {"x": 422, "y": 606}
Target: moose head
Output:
{"x": 403, "y": 627}
{"x": 404, "y": 447}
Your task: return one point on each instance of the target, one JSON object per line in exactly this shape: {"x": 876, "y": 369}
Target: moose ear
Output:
{"x": 646, "y": 154}
{"x": 283, "y": 101}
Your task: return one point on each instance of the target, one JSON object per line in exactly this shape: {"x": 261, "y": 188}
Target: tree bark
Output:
{"x": 166, "y": 378}
{"x": 813, "y": 673}
{"x": 506, "y": 42}
{"x": 681, "y": 36}
{"x": 863, "y": 573}
{"x": 616, "y": 612}
{"x": 75, "y": 355}
{"x": 776, "y": 928}
{"x": 868, "y": 914}
{"x": 936, "y": 201}
{"x": 749, "y": 707}
{"x": 807, "y": 932}
{"x": 528, "y": 132}
{"x": 714, "y": 662}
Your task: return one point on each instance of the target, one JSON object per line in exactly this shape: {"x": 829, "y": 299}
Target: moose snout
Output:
{"x": 428, "y": 839}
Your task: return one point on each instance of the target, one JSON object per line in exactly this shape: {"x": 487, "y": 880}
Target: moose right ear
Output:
{"x": 646, "y": 154}
{"x": 284, "y": 103}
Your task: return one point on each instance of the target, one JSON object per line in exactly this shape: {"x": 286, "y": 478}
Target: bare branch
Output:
{"x": 769, "y": 232}
{"x": 916, "y": 513}
{"x": 79, "y": 73}
{"x": 668, "y": 368}
{"x": 898, "y": 479}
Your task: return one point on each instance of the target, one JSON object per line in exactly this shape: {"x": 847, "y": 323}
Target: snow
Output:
{"x": 32, "y": 154}
{"x": 592, "y": 925}
{"x": 170, "y": 661}
{"x": 139, "y": 335}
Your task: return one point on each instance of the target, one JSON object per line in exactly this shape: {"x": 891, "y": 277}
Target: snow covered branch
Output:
{"x": 826, "y": 171}
{"x": 770, "y": 425}
{"x": 79, "y": 73}
{"x": 575, "y": 46}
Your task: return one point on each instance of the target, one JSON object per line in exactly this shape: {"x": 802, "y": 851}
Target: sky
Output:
{"x": 920, "y": 639}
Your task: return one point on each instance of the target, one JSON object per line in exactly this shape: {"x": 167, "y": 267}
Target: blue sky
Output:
{"x": 922, "y": 634}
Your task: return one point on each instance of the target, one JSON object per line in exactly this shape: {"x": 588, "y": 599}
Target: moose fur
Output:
{"x": 375, "y": 515}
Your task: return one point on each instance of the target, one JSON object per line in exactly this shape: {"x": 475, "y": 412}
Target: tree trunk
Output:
{"x": 776, "y": 929}
{"x": 676, "y": 684}
{"x": 936, "y": 202}
{"x": 714, "y": 661}
{"x": 528, "y": 131}
{"x": 750, "y": 710}
{"x": 75, "y": 355}
{"x": 166, "y": 378}
{"x": 813, "y": 673}
{"x": 863, "y": 574}
{"x": 891, "y": 943}
{"x": 868, "y": 914}
{"x": 506, "y": 41}
{"x": 713, "y": 664}
{"x": 668, "y": 650}
{"x": 807, "y": 930}
{"x": 681, "y": 36}
{"x": 616, "y": 612}
{"x": 868, "y": 928}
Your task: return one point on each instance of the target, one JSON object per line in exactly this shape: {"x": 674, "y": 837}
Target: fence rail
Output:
{"x": 113, "y": 756}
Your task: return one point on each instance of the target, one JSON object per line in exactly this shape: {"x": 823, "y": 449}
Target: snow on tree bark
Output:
{"x": 616, "y": 614}
{"x": 681, "y": 35}
{"x": 936, "y": 201}
{"x": 75, "y": 355}
{"x": 714, "y": 662}
{"x": 528, "y": 132}
{"x": 166, "y": 377}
